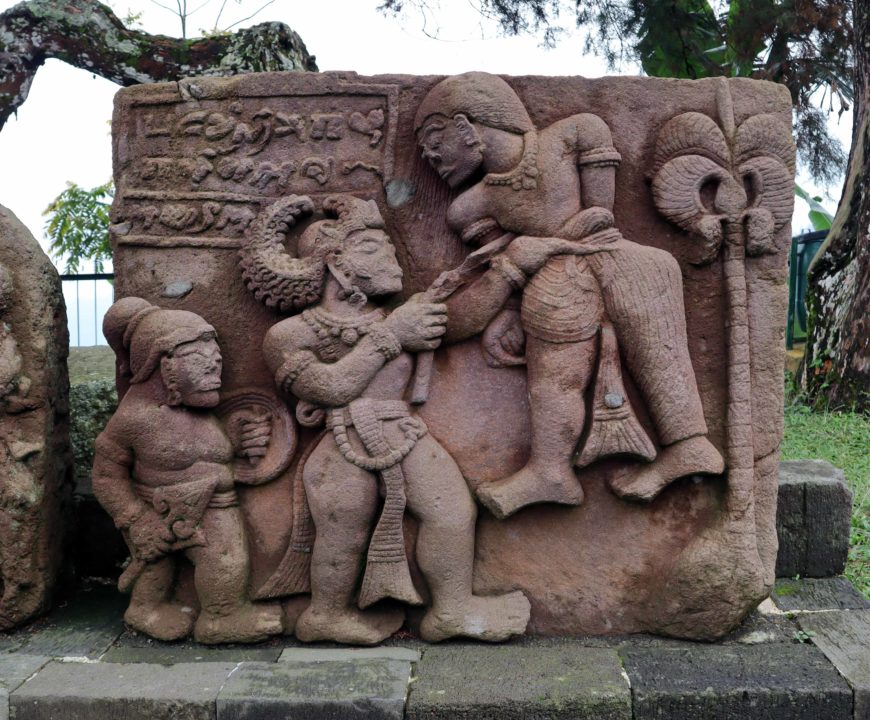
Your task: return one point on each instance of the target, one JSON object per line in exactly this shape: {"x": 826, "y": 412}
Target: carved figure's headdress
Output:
{"x": 141, "y": 333}
{"x": 288, "y": 280}
{"x": 490, "y": 101}
{"x": 484, "y": 98}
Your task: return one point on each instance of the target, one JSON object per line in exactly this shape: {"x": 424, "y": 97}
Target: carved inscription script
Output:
{"x": 223, "y": 159}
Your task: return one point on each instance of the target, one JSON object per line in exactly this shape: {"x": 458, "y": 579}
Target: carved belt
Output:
{"x": 387, "y": 573}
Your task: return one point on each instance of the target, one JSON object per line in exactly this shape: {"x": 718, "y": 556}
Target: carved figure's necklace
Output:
{"x": 332, "y": 329}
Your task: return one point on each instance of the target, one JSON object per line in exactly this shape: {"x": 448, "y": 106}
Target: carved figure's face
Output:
{"x": 369, "y": 258}
{"x": 192, "y": 374}
{"x": 452, "y": 147}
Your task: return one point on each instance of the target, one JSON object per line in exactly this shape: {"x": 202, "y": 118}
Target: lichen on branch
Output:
{"x": 88, "y": 35}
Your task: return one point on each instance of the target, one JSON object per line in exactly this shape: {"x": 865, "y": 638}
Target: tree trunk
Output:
{"x": 88, "y": 35}
{"x": 837, "y": 363}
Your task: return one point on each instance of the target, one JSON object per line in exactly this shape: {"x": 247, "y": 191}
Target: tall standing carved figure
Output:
{"x": 163, "y": 469}
{"x": 554, "y": 188}
{"x": 349, "y": 363}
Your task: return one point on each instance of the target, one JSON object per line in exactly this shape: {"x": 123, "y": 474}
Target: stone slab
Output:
{"x": 108, "y": 691}
{"x": 817, "y": 594}
{"x": 813, "y": 519}
{"x": 785, "y": 682}
{"x": 14, "y": 670}
{"x": 844, "y": 637}
{"x": 85, "y": 626}
{"x": 168, "y": 654}
{"x": 372, "y": 688}
{"x": 465, "y": 682}
{"x": 351, "y": 654}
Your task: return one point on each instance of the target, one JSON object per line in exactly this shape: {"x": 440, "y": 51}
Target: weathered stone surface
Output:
{"x": 844, "y": 637}
{"x": 468, "y": 682}
{"x": 85, "y": 626}
{"x": 350, "y": 654}
{"x": 736, "y": 683}
{"x": 670, "y": 334}
{"x": 35, "y": 460}
{"x": 14, "y": 670}
{"x": 108, "y": 691}
{"x": 813, "y": 518}
{"x": 818, "y": 594}
{"x": 341, "y": 690}
{"x": 172, "y": 654}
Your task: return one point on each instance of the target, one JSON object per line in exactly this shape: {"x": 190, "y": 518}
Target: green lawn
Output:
{"x": 842, "y": 439}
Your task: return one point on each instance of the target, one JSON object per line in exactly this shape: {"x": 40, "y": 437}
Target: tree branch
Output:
{"x": 88, "y": 35}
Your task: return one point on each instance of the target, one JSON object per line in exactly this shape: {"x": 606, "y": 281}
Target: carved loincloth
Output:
{"x": 182, "y": 507}
{"x": 387, "y": 573}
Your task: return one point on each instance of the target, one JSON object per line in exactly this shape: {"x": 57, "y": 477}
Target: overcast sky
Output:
{"x": 62, "y": 131}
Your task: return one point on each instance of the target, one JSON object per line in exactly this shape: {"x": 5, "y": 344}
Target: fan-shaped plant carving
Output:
{"x": 731, "y": 187}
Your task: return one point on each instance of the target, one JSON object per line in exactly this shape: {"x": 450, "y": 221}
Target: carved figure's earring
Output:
{"x": 170, "y": 381}
{"x": 349, "y": 292}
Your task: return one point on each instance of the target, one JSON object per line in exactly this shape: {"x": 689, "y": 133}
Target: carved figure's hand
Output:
{"x": 418, "y": 325}
{"x": 251, "y": 432}
{"x": 150, "y": 536}
{"x": 531, "y": 253}
{"x": 504, "y": 340}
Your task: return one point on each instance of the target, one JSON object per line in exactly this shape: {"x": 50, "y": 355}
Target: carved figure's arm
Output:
{"x": 298, "y": 370}
{"x": 471, "y": 309}
{"x": 148, "y": 535}
{"x": 597, "y": 160}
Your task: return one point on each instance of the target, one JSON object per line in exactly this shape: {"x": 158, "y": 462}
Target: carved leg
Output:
{"x": 643, "y": 295}
{"x": 152, "y": 610}
{"x": 558, "y": 375}
{"x": 221, "y": 576}
{"x": 343, "y": 499}
{"x": 439, "y": 498}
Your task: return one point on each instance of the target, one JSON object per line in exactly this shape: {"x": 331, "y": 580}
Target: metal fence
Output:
{"x": 87, "y": 298}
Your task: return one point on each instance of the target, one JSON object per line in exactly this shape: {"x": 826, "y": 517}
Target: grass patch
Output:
{"x": 843, "y": 439}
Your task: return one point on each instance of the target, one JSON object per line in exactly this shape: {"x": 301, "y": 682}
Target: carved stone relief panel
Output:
{"x": 518, "y": 320}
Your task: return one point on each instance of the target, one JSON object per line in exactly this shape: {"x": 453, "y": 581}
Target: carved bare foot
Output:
{"x": 687, "y": 457}
{"x": 351, "y": 626}
{"x": 249, "y": 623}
{"x": 164, "y": 621}
{"x": 533, "y": 484}
{"x": 485, "y": 618}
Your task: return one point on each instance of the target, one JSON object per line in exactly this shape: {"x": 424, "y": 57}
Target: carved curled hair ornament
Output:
{"x": 288, "y": 282}
{"x": 277, "y": 278}
{"x": 141, "y": 333}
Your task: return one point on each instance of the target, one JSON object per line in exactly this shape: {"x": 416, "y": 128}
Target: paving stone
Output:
{"x": 777, "y": 681}
{"x": 85, "y": 626}
{"x": 14, "y": 670}
{"x": 373, "y": 688}
{"x": 109, "y": 691}
{"x": 474, "y": 682}
{"x": 844, "y": 637}
{"x": 168, "y": 654}
{"x": 817, "y": 594}
{"x": 324, "y": 654}
{"x": 813, "y": 519}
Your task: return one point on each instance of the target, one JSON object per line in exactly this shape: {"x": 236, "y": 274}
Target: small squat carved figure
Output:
{"x": 163, "y": 469}
{"x": 350, "y": 363}
{"x": 554, "y": 189}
